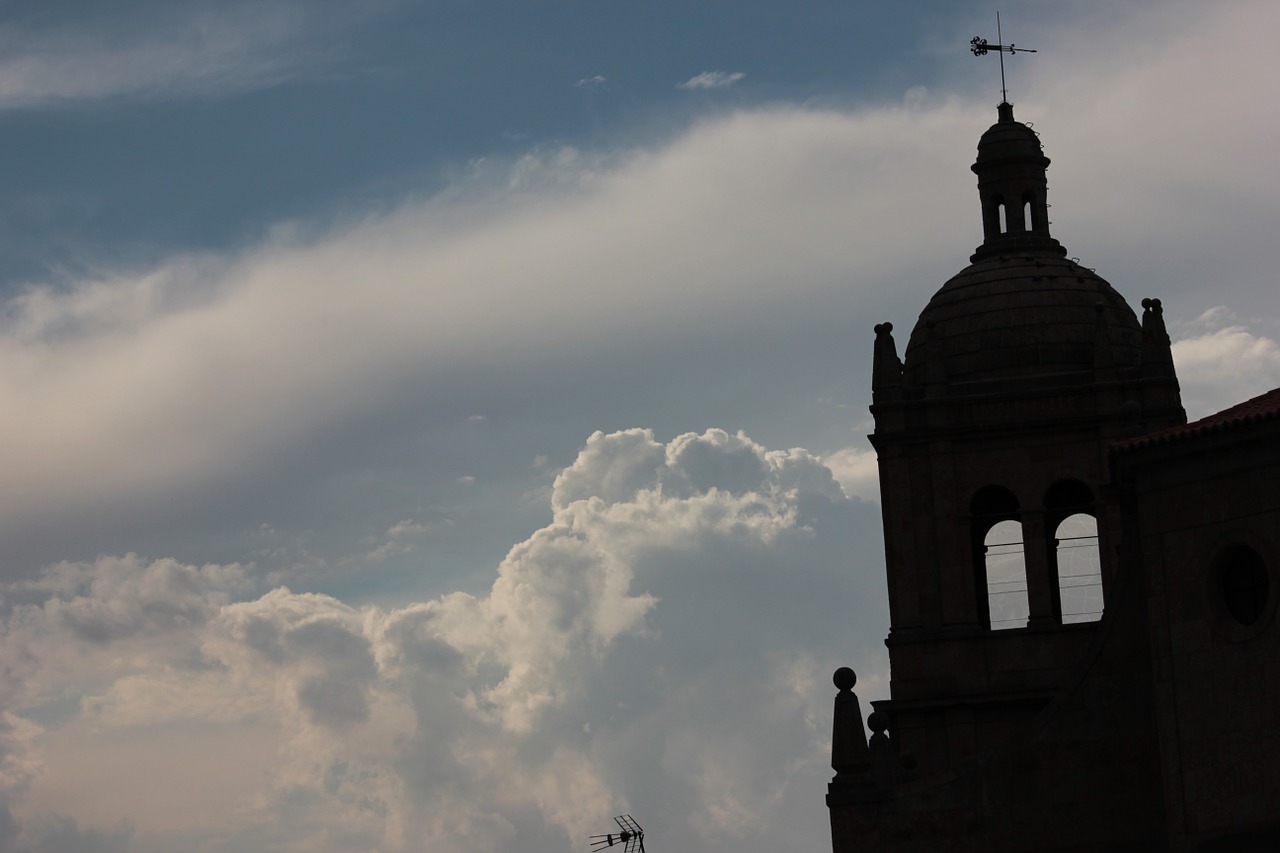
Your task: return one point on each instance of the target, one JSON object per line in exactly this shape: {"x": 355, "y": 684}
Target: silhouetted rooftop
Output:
{"x": 1264, "y": 407}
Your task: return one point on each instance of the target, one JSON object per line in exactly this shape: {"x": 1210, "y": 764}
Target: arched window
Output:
{"x": 1000, "y": 574}
{"x": 1006, "y": 568}
{"x": 1079, "y": 569}
{"x": 1004, "y": 218}
{"x": 1075, "y": 562}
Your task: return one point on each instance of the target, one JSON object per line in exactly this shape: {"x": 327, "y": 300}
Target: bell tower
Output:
{"x": 1011, "y": 185}
{"x": 992, "y": 433}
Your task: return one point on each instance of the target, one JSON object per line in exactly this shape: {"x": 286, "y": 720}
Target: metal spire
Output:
{"x": 979, "y": 46}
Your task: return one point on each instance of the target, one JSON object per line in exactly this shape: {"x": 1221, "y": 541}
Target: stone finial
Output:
{"x": 886, "y": 367}
{"x": 1157, "y": 356}
{"x": 848, "y": 737}
{"x": 1153, "y": 322}
{"x": 883, "y": 769}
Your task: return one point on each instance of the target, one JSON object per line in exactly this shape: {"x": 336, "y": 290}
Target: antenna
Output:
{"x": 631, "y": 837}
{"x": 979, "y": 46}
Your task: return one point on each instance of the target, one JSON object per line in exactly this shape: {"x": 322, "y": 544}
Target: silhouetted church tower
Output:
{"x": 1018, "y": 374}
{"x": 1026, "y": 709}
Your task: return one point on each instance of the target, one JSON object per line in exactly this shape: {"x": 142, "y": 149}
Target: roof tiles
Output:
{"x": 1261, "y": 408}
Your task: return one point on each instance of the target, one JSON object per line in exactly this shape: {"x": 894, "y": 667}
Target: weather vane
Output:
{"x": 979, "y": 46}
{"x": 632, "y": 836}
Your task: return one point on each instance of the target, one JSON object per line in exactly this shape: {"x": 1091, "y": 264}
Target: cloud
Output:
{"x": 661, "y": 645}
{"x": 135, "y": 390}
{"x": 252, "y": 352}
{"x": 712, "y": 80}
{"x": 591, "y": 82}
{"x": 916, "y": 97}
{"x": 1115, "y": 205}
{"x": 181, "y": 51}
{"x": 1220, "y": 362}
{"x": 401, "y": 538}
{"x": 662, "y": 642}
{"x": 857, "y": 470}
{"x": 59, "y": 834}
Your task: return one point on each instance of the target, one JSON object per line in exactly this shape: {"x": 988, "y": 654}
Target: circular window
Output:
{"x": 1241, "y": 588}
{"x": 1244, "y": 583}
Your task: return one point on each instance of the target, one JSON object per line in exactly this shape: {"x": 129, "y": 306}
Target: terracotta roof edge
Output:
{"x": 1264, "y": 407}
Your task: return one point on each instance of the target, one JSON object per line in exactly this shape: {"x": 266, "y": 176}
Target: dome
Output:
{"x": 1020, "y": 316}
{"x": 1009, "y": 141}
{"x": 1021, "y": 309}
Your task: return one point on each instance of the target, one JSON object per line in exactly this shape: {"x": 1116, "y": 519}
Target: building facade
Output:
{"x": 1082, "y": 586}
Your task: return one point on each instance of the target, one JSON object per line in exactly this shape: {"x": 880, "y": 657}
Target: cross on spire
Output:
{"x": 980, "y": 46}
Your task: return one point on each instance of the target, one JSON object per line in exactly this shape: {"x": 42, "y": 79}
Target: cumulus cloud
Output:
{"x": 712, "y": 80}
{"x": 1220, "y": 362}
{"x": 857, "y": 470}
{"x": 591, "y": 82}
{"x": 662, "y": 645}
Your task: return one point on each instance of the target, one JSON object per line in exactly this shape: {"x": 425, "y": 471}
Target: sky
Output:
{"x": 442, "y": 425}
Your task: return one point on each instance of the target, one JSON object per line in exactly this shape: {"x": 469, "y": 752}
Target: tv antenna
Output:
{"x": 631, "y": 836}
{"x": 979, "y": 46}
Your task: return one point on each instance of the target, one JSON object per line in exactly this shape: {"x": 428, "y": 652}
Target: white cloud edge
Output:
{"x": 712, "y": 80}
